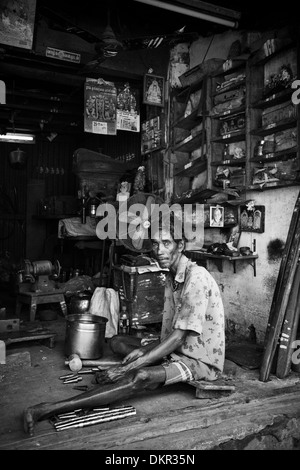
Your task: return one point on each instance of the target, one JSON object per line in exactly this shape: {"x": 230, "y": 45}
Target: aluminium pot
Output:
{"x": 17, "y": 158}
{"x": 85, "y": 335}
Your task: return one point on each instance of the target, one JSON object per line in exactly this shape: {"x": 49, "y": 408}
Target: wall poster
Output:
{"x": 152, "y": 135}
{"x": 100, "y": 116}
{"x": 252, "y": 218}
{"x": 128, "y": 110}
{"x": 17, "y": 22}
{"x": 153, "y": 90}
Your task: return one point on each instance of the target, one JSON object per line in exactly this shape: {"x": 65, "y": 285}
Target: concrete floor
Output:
{"x": 256, "y": 415}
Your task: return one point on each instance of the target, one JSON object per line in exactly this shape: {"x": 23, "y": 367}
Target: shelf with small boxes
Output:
{"x": 273, "y": 133}
{"x": 228, "y": 124}
{"x": 188, "y": 133}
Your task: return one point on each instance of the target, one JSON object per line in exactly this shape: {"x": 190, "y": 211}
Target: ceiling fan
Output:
{"x": 134, "y": 222}
{"x": 108, "y": 44}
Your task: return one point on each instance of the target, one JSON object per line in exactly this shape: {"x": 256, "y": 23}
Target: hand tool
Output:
{"x": 76, "y": 363}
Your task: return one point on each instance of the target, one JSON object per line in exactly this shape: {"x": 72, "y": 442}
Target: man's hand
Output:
{"x": 133, "y": 355}
{"x": 111, "y": 375}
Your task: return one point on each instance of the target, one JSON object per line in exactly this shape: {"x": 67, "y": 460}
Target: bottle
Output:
{"x": 259, "y": 149}
{"x": 226, "y": 155}
{"x": 93, "y": 207}
{"x": 83, "y": 210}
{"x": 124, "y": 321}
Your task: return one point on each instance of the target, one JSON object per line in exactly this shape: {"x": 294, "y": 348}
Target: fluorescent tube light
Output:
{"x": 193, "y": 13}
{"x": 19, "y": 138}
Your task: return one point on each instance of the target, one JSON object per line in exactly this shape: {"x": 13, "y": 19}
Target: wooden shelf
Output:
{"x": 228, "y": 113}
{"x": 183, "y": 94}
{"x": 260, "y": 57}
{"x": 218, "y": 259}
{"x": 193, "y": 168}
{"x": 190, "y": 121}
{"x": 272, "y": 185}
{"x": 283, "y": 155}
{"x": 233, "y": 86}
{"x": 232, "y": 162}
{"x": 276, "y": 128}
{"x": 199, "y": 196}
{"x": 258, "y": 99}
{"x": 154, "y": 149}
{"x": 236, "y": 63}
{"x": 273, "y": 99}
{"x": 230, "y": 137}
{"x": 190, "y": 143}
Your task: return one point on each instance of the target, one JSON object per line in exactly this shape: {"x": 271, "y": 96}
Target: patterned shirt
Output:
{"x": 193, "y": 302}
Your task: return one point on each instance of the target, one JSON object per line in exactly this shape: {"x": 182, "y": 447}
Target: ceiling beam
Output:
{"x": 211, "y": 8}
{"x": 196, "y": 12}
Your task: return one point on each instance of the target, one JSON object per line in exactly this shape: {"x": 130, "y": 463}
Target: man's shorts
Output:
{"x": 178, "y": 371}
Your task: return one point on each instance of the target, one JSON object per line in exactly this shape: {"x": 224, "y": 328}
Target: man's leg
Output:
{"x": 124, "y": 344}
{"x": 137, "y": 381}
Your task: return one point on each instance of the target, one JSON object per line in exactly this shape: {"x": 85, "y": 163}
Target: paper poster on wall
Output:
{"x": 100, "y": 116}
{"x": 128, "y": 108}
{"x": 152, "y": 135}
{"x": 17, "y": 22}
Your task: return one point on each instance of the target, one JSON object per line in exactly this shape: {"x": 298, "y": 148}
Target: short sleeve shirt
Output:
{"x": 193, "y": 302}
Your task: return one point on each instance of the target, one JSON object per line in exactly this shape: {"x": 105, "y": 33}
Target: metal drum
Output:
{"x": 85, "y": 335}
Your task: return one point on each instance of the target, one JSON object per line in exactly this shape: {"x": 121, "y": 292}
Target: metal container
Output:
{"x": 17, "y": 158}
{"x": 85, "y": 335}
{"x": 79, "y": 304}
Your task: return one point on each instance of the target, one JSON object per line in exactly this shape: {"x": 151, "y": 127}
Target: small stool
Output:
{"x": 215, "y": 389}
{"x": 36, "y": 298}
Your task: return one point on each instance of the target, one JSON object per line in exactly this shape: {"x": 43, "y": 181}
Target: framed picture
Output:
{"x": 153, "y": 90}
{"x": 216, "y": 216}
{"x": 253, "y": 220}
{"x": 17, "y": 21}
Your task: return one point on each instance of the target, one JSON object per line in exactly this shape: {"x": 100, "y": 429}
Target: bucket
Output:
{"x": 85, "y": 335}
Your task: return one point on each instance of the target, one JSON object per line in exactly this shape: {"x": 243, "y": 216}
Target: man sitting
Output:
{"x": 191, "y": 345}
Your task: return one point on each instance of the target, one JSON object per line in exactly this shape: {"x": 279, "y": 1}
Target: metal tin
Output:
{"x": 85, "y": 335}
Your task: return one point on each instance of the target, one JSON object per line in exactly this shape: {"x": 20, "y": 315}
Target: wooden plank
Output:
{"x": 195, "y": 428}
{"x": 216, "y": 385}
{"x": 289, "y": 329}
{"x": 285, "y": 255}
{"x": 276, "y": 313}
{"x": 280, "y": 313}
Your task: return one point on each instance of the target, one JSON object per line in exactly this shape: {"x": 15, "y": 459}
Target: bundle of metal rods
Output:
{"x": 73, "y": 378}
{"x": 79, "y": 419}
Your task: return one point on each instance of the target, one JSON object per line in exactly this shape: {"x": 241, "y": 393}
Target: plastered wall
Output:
{"x": 248, "y": 298}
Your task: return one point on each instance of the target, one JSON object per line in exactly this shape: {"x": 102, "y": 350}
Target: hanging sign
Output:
{"x": 100, "y": 116}
{"x": 128, "y": 110}
{"x": 63, "y": 55}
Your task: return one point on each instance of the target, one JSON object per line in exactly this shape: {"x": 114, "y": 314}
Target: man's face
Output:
{"x": 166, "y": 250}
